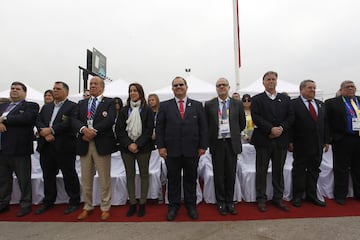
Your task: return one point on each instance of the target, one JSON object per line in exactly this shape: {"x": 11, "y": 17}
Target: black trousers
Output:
{"x": 21, "y": 165}
{"x": 188, "y": 167}
{"x": 278, "y": 157}
{"x": 51, "y": 161}
{"x": 346, "y": 159}
{"x": 224, "y": 162}
{"x": 305, "y": 174}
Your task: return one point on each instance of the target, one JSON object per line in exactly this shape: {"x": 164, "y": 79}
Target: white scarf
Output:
{"x": 134, "y": 124}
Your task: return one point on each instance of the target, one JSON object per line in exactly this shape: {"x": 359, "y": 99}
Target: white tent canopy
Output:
{"x": 117, "y": 88}
{"x": 282, "y": 86}
{"x": 197, "y": 89}
{"x": 32, "y": 95}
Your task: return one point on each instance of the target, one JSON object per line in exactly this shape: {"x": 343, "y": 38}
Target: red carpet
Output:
{"x": 207, "y": 212}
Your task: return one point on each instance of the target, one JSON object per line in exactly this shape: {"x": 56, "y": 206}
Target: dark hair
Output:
{"x": 179, "y": 78}
{"x": 140, "y": 90}
{"x": 268, "y": 73}
{"x": 119, "y": 101}
{"x": 65, "y": 86}
{"x": 21, "y": 84}
{"x": 49, "y": 91}
{"x": 246, "y": 96}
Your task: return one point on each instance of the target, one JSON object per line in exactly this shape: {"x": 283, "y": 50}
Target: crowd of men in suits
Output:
{"x": 184, "y": 130}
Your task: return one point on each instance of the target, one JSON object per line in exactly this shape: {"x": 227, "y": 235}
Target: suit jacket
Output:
{"x": 103, "y": 122}
{"x": 307, "y": 135}
{"x": 144, "y": 142}
{"x": 266, "y": 114}
{"x": 237, "y": 123}
{"x": 65, "y": 135}
{"x": 19, "y": 136}
{"x": 336, "y": 115}
{"x": 181, "y": 137}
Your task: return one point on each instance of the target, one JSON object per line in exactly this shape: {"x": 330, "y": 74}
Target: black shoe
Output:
{"x": 43, "y": 208}
{"x": 4, "y": 208}
{"x": 340, "y": 201}
{"x": 171, "y": 214}
{"x": 222, "y": 209}
{"x": 296, "y": 202}
{"x": 317, "y": 202}
{"x": 193, "y": 213}
{"x": 71, "y": 209}
{"x": 141, "y": 211}
{"x": 280, "y": 205}
{"x": 131, "y": 211}
{"x": 23, "y": 211}
{"x": 231, "y": 209}
{"x": 261, "y": 206}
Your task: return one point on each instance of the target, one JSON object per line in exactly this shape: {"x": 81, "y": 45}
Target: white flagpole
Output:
{"x": 236, "y": 44}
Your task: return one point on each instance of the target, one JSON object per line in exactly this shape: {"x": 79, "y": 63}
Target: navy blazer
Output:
{"x": 104, "y": 120}
{"x": 266, "y": 114}
{"x": 65, "y": 135}
{"x": 19, "y": 135}
{"x": 307, "y": 135}
{"x": 336, "y": 115}
{"x": 236, "y": 119}
{"x": 181, "y": 137}
{"x": 144, "y": 142}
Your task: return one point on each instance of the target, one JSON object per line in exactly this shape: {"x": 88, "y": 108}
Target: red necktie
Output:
{"x": 312, "y": 111}
{"x": 181, "y": 108}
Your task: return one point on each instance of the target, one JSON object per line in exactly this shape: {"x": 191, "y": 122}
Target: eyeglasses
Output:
{"x": 86, "y": 95}
{"x": 222, "y": 85}
{"x": 178, "y": 85}
{"x": 246, "y": 100}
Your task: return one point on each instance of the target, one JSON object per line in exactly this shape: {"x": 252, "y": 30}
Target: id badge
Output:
{"x": 90, "y": 123}
{"x": 356, "y": 124}
{"x": 224, "y": 127}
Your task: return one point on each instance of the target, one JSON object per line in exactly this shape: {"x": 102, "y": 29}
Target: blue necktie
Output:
{"x": 93, "y": 108}
{"x": 223, "y": 112}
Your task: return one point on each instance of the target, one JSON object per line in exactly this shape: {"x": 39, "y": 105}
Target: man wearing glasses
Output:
{"x": 181, "y": 138}
{"x": 226, "y": 120}
{"x": 343, "y": 116}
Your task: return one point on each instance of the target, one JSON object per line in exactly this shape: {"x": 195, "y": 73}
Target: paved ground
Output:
{"x": 342, "y": 228}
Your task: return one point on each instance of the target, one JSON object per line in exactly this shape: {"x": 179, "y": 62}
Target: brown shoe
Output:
{"x": 84, "y": 214}
{"x": 105, "y": 215}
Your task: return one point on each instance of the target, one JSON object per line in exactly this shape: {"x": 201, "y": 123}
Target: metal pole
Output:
{"x": 236, "y": 44}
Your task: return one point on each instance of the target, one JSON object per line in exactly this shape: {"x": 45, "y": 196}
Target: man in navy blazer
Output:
{"x": 273, "y": 116}
{"x": 57, "y": 148}
{"x": 226, "y": 120}
{"x": 343, "y": 114}
{"x": 181, "y": 138}
{"x": 95, "y": 143}
{"x": 308, "y": 138}
{"x": 16, "y": 146}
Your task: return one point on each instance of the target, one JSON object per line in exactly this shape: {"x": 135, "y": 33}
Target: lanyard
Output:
{"x": 349, "y": 107}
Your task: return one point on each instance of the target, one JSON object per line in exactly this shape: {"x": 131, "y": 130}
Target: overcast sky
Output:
{"x": 152, "y": 41}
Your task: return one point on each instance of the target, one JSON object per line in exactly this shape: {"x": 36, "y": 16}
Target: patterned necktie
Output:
{"x": 93, "y": 108}
{"x": 312, "y": 111}
{"x": 356, "y": 109}
{"x": 223, "y": 111}
{"x": 181, "y": 108}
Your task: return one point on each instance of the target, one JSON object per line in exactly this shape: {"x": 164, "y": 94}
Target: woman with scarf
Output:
{"x": 134, "y": 128}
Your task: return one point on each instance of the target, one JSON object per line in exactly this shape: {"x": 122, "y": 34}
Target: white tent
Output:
{"x": 197, "y": 89}
{"x": 282, "y": 86}
{"x": 117, "y": 88}
{"x": 31, "y": 95}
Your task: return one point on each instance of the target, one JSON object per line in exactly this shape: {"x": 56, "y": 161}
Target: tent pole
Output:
{"x": 236, "y": 44}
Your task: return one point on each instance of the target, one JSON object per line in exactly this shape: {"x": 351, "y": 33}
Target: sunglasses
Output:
{"x": 222, "y": 85}
{"x": 178, "y": 85}
{"x": 86, "y": 95}
{"x": 246, "y": 100}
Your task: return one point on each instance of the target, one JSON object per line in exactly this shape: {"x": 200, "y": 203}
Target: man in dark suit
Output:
{"x": 226, "y": 120}
{"x": 343, "y": 115}
{"x": 273, "y": 116}
{"x": 95, "y": 143}
{"x": 57, "y": 148}
{"x": 181, "y": 138}
{"x": 16, "y": 146}
{"x": 308, "y": 138}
